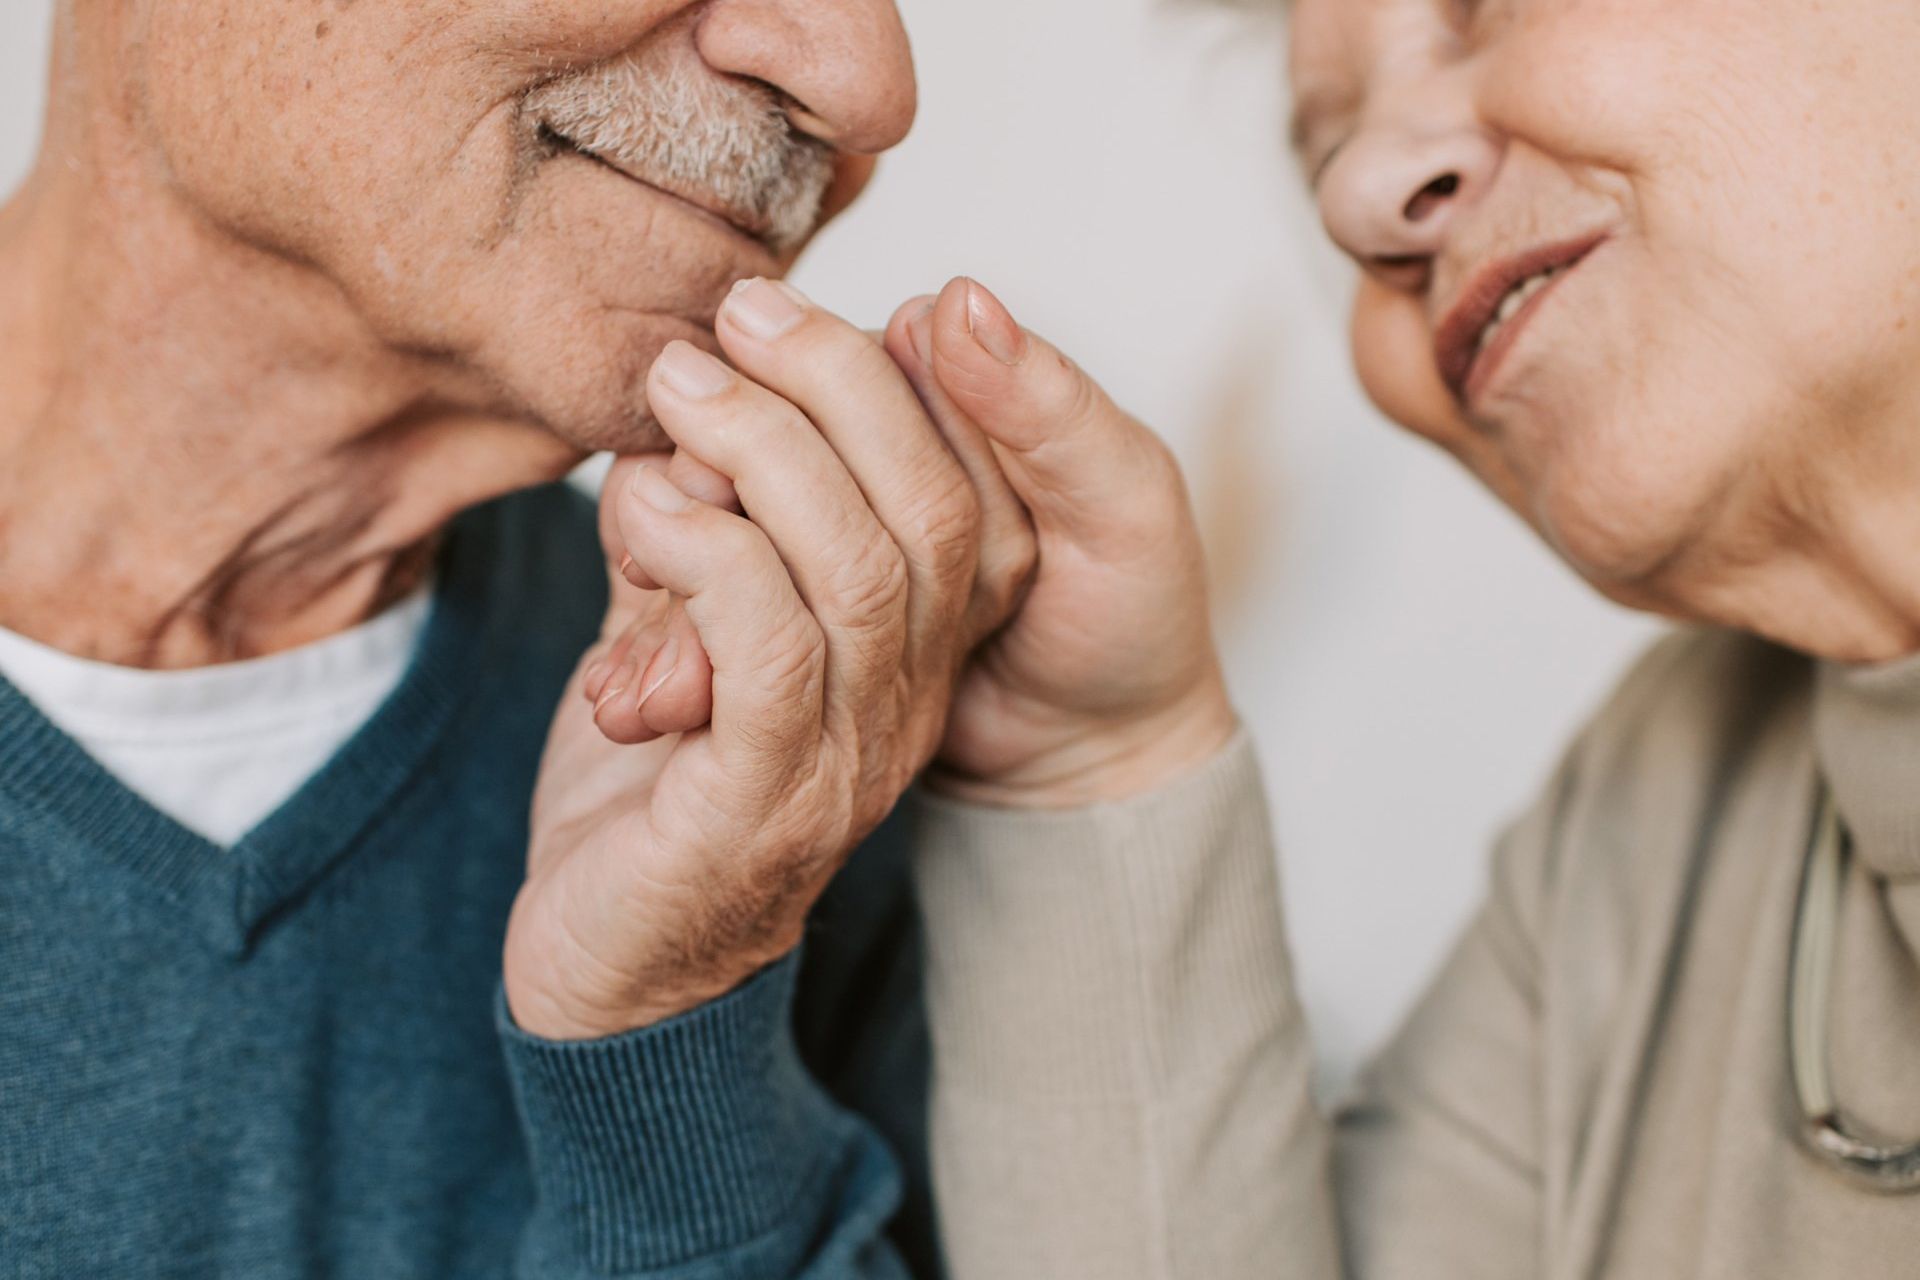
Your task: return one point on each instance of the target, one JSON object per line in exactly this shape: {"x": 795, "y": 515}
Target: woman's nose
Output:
{"x": 845, "y": 63}
{"x": 1389, "y": 195}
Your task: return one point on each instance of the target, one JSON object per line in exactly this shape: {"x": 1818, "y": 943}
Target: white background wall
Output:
{"x": 1409, "y": 658}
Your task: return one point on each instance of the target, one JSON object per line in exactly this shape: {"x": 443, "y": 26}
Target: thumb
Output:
{"x": 1084, "y": 468}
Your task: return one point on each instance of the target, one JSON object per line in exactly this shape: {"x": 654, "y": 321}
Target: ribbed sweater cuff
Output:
{"x": 677, "y": 1141}
{"x": 1110, "y": 953}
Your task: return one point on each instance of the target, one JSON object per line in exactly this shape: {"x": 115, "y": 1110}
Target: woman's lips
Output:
{"x": 1467, "y": 360}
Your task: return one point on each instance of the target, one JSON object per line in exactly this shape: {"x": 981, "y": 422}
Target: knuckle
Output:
{"x": 846, "y": 357}
{"x": 826, "y": 351}
{"x": 1068, "y": 393}
{"x": 760, "y": 423}
{"x": 743, "y": 564}
{"x": 944, "y": 530}
{"x": 868, "y": 587}
{"x": 730, "y": 540}
{"x": 793, "y": 656}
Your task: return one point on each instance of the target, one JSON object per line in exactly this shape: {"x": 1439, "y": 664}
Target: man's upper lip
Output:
{"x": 701, "y": 199}
{"x": 1456, "y": 344}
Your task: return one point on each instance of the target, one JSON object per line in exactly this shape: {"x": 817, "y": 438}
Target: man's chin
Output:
{"x": 585, "y": 382}
{"x": 629, "y": 435}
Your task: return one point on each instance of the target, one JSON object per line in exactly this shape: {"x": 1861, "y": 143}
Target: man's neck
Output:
{"x": 208, "y": 455}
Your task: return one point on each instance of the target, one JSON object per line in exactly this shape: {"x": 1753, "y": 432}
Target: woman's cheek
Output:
{"x": 1393, "y": 356}
{"x": 1599, "y": 85}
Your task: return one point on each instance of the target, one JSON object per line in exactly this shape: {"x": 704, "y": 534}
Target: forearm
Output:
{"x": 1122, "y": 1074}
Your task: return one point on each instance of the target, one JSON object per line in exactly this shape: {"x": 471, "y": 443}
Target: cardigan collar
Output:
{"x": 1867, "y": 736}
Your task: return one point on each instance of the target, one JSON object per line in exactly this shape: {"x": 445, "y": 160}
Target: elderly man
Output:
{"x": 306, "y": 308}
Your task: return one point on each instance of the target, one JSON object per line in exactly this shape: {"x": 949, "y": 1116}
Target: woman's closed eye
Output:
{"x": 1473, "y": 19}
{"x": 1317, "y": 167}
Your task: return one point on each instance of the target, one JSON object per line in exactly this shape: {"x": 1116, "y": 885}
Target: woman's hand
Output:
{"x": 1106, "y": 683}
{"x": 824, "y": 636}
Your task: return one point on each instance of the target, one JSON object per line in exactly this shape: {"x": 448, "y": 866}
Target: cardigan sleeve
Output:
{"x": 1122, "y": 1072}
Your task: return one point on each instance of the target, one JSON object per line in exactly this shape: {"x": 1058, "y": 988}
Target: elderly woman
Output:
{"x": 1652, "y": 271}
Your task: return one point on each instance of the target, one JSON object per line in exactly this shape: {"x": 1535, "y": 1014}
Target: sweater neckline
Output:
{"x": 92, "y": 699}
{"x": 75, "y": 808}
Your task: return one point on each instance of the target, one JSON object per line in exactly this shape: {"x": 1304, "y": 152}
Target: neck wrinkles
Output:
{"x": 209, "y": 455}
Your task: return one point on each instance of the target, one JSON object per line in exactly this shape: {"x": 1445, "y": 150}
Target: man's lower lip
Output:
{"x": 1486, "y": 364}
{"x": 707, "y": 215}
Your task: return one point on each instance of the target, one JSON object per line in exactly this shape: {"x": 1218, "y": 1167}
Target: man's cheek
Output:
{"x": 1600, "y": 84}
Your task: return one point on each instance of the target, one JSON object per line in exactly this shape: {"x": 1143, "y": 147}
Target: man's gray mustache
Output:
{"x": 693, "y": 133}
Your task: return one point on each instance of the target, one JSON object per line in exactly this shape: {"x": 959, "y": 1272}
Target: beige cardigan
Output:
{"x": 1595, "y": 1085}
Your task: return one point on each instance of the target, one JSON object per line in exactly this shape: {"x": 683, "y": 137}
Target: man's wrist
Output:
{"x": 681, "y": 1140}
{"x": 548, "y": 1016}
{"x": 1105, "y": 761}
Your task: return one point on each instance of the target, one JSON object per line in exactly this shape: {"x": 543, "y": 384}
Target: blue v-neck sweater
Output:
{"x": 291, "y": 1059}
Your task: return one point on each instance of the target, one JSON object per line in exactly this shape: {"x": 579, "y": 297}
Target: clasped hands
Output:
{"x": 942, "y": 549}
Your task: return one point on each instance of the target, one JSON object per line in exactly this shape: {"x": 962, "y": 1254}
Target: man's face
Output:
{"x": 539, "y": 193}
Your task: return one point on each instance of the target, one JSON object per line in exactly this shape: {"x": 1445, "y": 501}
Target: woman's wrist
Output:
{"x": 1105, "y": 760}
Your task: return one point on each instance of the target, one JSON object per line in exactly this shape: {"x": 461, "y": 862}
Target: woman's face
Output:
{"x": 1727, "y": 194}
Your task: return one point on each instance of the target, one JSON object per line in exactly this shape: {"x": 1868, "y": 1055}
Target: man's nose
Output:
{"x": 845, "y": 63}
{"x": 1389, "y": 195}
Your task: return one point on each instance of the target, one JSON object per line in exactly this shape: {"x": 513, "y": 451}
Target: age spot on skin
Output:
{"x": 322, "y": 30}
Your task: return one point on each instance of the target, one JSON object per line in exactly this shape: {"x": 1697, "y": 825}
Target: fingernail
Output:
{"x": 766, "y": 309}
{"x": 659, "y": 492}
{"x": 595, "y": 681}
{"x": 626, "y": 566}
{"x": 920, "y": 331}
{"x": 688, "y": 371}
{"x": 621, "y": 681}
{"x": 666, "y": 662}
{"x": 992, "y": 326}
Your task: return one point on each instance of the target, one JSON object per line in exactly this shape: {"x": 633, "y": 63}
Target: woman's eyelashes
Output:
{"x": 1318, "y": 168}
{"x": 1466, "y": 17}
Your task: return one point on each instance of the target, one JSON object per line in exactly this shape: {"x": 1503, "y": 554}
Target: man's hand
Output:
{"x": 829, "y": 628}
{"x": 1106, "y": 684}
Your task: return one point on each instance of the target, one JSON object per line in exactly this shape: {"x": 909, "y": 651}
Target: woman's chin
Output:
{"x": 1623, "y": 521}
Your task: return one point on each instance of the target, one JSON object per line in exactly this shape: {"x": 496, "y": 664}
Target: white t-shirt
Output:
{"x": 219, "y": 748}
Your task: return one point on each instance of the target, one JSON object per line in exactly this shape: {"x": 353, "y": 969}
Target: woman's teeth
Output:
{"x": 1516, "y": 298}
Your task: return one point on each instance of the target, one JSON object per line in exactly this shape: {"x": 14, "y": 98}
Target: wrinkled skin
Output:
{"x": 290, "y": 288}
{"x": 961, "y": 551}
{"x": 389, "y": 146}
{"x": 291, "y": 285}
{"x": 1710, "y": 415}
